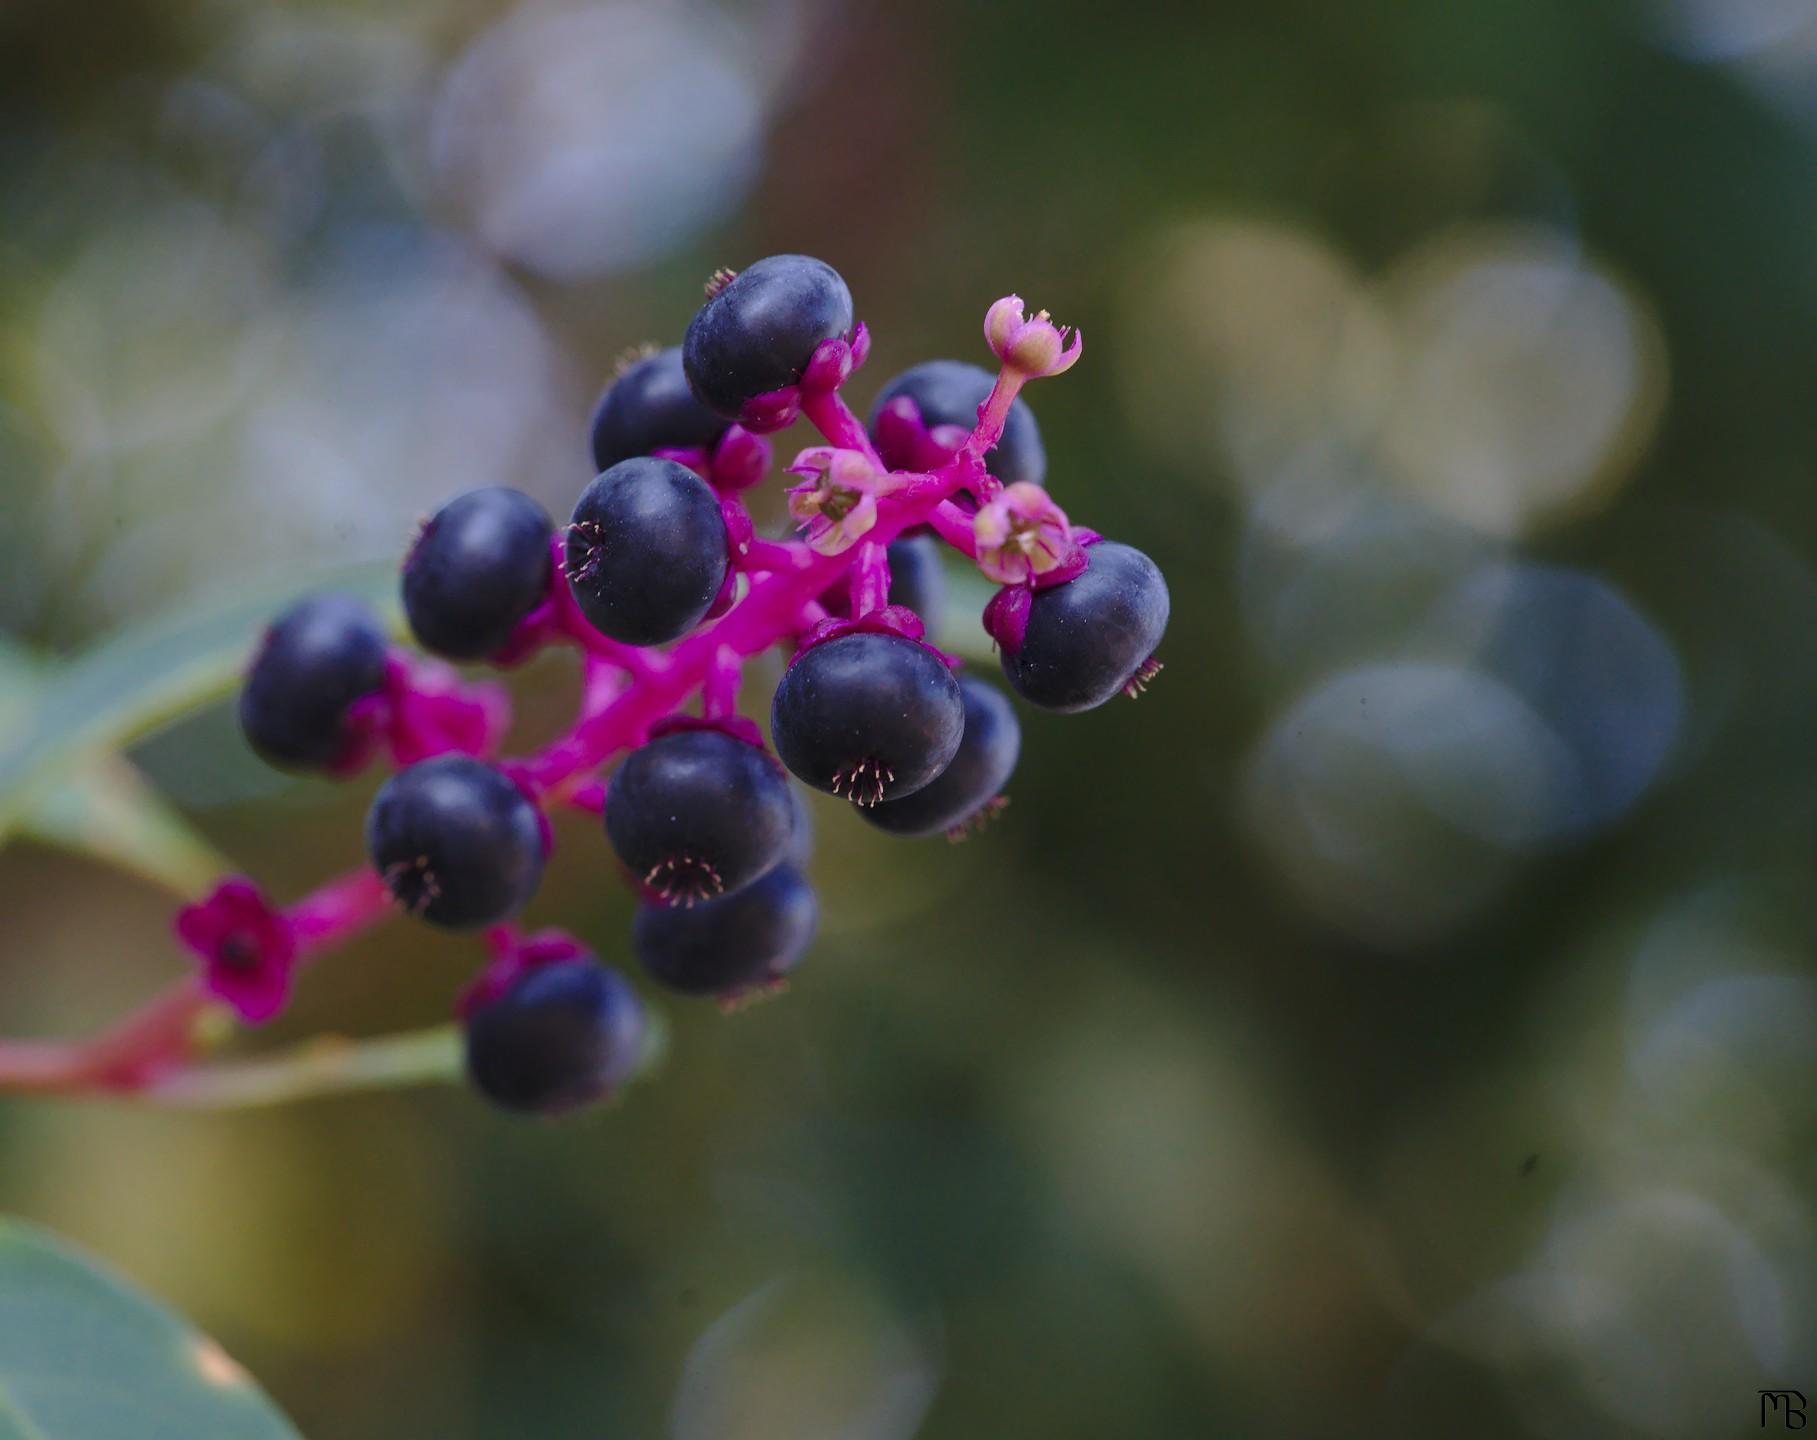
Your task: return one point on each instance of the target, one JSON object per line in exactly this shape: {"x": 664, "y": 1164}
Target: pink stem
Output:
{"x": 767, "y": 557}
{"x": 954, "y": 526}
{"x": 719, "y": 691}
{"x": 337, "y": 911}
{"x": 993, "y": 414}
{"x": 768, "y": 614}
{"x": 870, "y": 582}
{"x": 119, "y": 1058}
{"x": 833, "y": 418}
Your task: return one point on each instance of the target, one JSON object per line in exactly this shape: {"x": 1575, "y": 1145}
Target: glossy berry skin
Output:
{"x": 1086, "y": 639}
{"x": 649, "y": 407}
{"x": 455, "y": 842}
{"x": 727, "y": 946}
{"x": 563, "y": 1035}
{"x": 967, "y": 787}
{"x": 870, "y": 717}
{"x": 316, "y": 660}
{"x": 697, "y": 814}
{"x": 480, "y": 565}
{"x": 759, "y": 332}
{"x": 646, "y": 551}
{"x": 949, "y": 392}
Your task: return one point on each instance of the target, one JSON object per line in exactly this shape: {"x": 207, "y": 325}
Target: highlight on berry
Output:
{"x": 661, "y": 586}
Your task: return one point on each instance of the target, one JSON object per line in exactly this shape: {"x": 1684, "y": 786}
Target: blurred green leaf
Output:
{"x": 140, "y": 678}
{"x": 102, "y": 806}
{"x": 84, "y": 1357}
{"x": 105, "y": 809}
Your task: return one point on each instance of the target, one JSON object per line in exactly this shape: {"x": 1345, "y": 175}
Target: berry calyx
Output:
{"x": 480, "y": 565}
{"x": 758, "y": 333}
{"x": 456, "y": 842}
{"x": 697, "y": 814}
{"x": 943, "y": 398}
{"x": 969, "y": 791}
{"x": 649, "y": 407}
{"x": 728, "y": 947}
{"x": 1088, "y": 639}
{"x": 319, "y": 659}
{"x": 867, "y": 716}
{"x": 562, "y": 1035}
{"x": 645, "y": 553}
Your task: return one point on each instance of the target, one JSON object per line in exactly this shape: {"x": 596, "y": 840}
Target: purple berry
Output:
{"x": 728, "y": 946}
{"x": 316, "y": 660}
{"x": 970, "y": 787}
{"x": 649, "y": 407}
{"x": 456, "y": 842}
{"x": 563, "y": 1035}
{"x": 867, "y": 716}
{"x": 480, "y": 566}
{"x": 646, "y": 551}
{"x": 759, "y": 332}
{"x": 949, "y": 392}
{"x": 698, "y": 814}
{"x": 1093, "y": 636}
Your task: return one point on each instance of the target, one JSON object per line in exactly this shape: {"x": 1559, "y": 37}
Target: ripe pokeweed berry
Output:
{"x": 646, "y": 551}
{"x": 696, "y": 814}
{"x": 563, "y": 1035}
{"x": 949, "y": 392}
{"x": 867, "y": 716}
{"x": 315, "y": 661}
{"x": 1092, "y": 636}
{"x": 732, "y": 945}
{"x": 759, "y": 332}
{"x": 649, "y": 407}
{"x": 480, "y": 565}
{"x": 969, "y": 790}
{"x": 456, "y": 842}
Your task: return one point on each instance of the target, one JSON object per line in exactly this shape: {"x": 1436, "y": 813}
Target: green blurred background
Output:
{"x": 1403, "y": 1021}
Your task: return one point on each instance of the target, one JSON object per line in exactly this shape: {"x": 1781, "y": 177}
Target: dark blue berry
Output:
{"x": 646, "y": 551}
{"x": 697, "y": 814}
{"x": 1094, "y": 635}
{"x": 949, "y": 392}
{"x": 563, "y": 1035}
{"x": 867, "y": 716}
{"x": 727, "y": 946}
{"x": 970, "y": 786}
{"x": 455, "y": 842}
{"x": 759, "y": 332}
{"x": 480, "y": 566}
{"x": 649, "y": 407}
{"x": 317, "y": 658}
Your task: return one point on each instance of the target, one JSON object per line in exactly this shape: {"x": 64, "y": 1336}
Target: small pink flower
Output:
{"x": 1035, "y": 346}
{"x": 837, "y": 505}
{"x": 247, "y": 947}
{"x": 1021, "y": 534}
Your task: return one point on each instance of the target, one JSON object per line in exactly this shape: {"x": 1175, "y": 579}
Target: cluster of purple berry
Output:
{"x": 659, "y": 549}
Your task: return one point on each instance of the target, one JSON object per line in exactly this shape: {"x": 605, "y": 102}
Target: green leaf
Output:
{"x": 105, "y": 809}
{"x": 102, "y": 807}
{"x": 143, "y": 676}
{"x": 85, "y": 1357}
